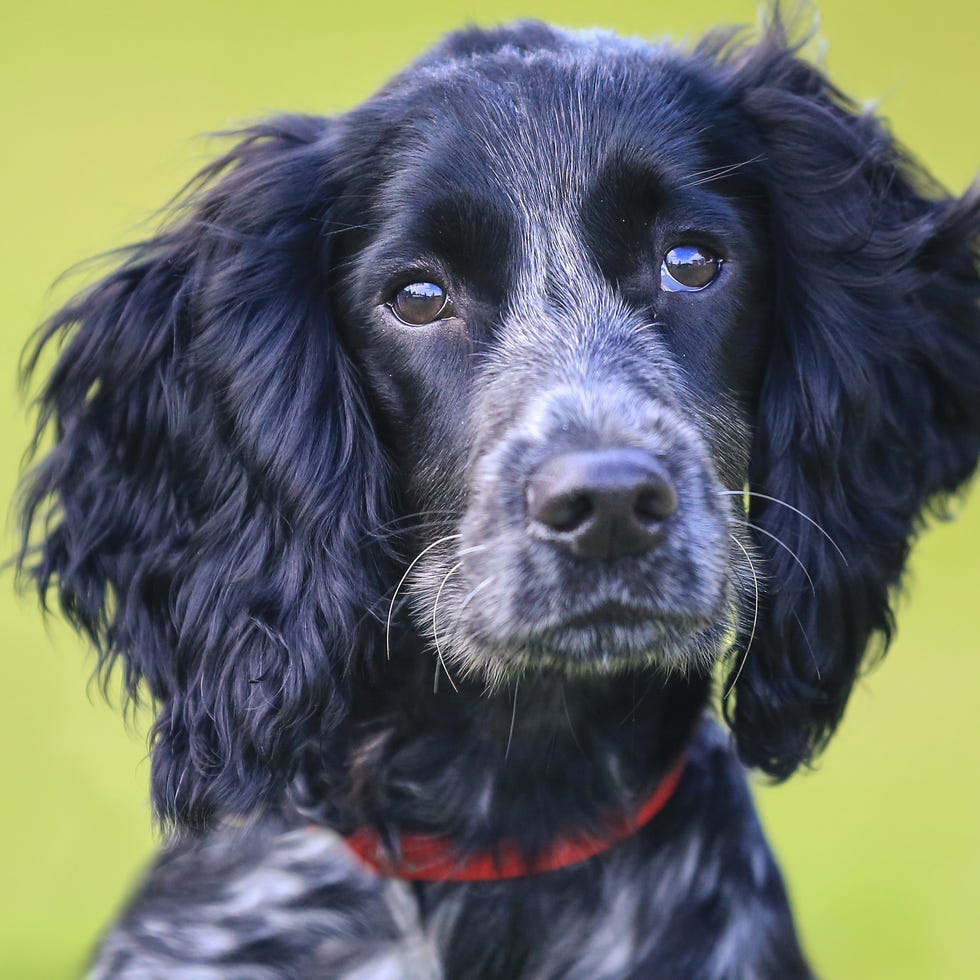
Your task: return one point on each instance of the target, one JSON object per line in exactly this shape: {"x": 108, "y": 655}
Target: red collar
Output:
{"x": 428, "y": 858}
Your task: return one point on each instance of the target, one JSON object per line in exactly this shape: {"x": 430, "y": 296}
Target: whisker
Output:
{"x": 642, "y": 327}
{"x": 407, "y": 522}
{"x": 513, "y": 718}
{"x": 372, "y": 610}
{"x": 419, "y": 513}
{"x": 401, "y": 582}
{"x": 755, "y": 619}
{"x": 474, "y": 549}
{"x": 441, "y": 662}
{"x": 375, "y": 609}
{"x": 782, "y": 544}
{"x": 637, "y": 701}
{"x": 568, "y": 718}
{"x": 435, "y": 629}
{"x": 795, "y": 510}
{"x": 806, "y": 640}
{"x": 469, "y": 598}
{"x": 717, "y": 173}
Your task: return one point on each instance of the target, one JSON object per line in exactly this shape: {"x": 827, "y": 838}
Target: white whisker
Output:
{"x": 786, "y": 547}
{"x": 755, "y": 619}
{"x": 568, "y": 718}
{"x": 717, "y": 173}
{"x": 806, "y": 640}
{"x": 435, "y": 627}
{"x": 513, "y": 718}
{"x": 795, "y": 510}
{"x": 469, "y": 598}
{"x": 401, "y": 582}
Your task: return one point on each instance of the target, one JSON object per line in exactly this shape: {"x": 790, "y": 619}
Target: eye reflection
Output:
{"x": 421, "y": 303}
{"x": 688, "y": 268}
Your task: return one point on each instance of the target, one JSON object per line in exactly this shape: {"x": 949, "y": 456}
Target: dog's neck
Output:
{"x": 471, "y": 765}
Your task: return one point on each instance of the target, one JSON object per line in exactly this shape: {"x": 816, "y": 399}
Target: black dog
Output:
{"x": 426, "y": 467}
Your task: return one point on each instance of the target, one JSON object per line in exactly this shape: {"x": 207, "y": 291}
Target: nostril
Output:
{"x": 562, "y": 512}
{"x": 655, "y": 501}
{"x": 601, "y": 503}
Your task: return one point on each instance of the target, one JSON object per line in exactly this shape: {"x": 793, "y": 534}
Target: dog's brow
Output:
{"x": 471, "y": 235}
{"x": 460, "y": 222}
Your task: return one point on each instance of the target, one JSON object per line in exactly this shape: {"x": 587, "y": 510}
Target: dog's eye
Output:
{"x": 420, "y": 303}
{"x": 687, "y": 268}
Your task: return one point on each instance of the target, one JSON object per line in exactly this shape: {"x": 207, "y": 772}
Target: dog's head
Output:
{"x": 647, "y": 357}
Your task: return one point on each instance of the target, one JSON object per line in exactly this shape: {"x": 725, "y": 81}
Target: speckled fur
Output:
{"x": 280, "y": 900}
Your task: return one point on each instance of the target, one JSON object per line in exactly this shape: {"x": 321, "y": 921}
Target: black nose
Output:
{"x": 603, "y": 503}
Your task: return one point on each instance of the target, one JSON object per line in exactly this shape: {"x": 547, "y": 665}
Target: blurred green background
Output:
{"x": 99, "y": 103}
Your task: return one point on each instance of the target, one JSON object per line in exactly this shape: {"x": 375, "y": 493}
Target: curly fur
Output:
{"x": 279, "y": 513}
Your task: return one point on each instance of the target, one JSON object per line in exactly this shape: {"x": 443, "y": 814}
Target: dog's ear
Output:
{"x": 205, "y": 513}
{"x": 869, "y": 412}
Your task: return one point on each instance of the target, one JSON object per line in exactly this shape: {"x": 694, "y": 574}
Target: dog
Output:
{"x": 476, "y": 483}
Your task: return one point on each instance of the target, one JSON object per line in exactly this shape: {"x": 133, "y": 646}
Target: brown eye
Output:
{"x": 687, "y": 268}
{"x": 420, "y": 303}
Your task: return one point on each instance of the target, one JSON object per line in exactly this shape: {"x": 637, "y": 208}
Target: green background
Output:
{"x": 99, "y": 103}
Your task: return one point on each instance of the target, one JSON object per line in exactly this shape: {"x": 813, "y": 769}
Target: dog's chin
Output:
{"x": 606, "y": 644}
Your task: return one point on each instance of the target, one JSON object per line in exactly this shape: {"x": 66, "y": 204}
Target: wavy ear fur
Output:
{"x": 204, "y": 511}
{"x": 870, "y": 407}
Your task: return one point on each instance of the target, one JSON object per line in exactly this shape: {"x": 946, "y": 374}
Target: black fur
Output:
{"x": 283, "y": 512}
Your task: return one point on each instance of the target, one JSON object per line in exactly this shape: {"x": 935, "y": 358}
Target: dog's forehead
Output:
{"x": 538, "y": 128}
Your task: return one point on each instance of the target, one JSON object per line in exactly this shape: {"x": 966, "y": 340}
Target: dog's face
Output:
{"x": 557, "y": 305}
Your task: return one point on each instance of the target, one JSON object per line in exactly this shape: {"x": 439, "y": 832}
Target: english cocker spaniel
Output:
{"x": 428, "y": 465}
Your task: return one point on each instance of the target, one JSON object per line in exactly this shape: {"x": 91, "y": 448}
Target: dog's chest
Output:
{"x": 692, "y": 908}
{"x": 304, "y": 907}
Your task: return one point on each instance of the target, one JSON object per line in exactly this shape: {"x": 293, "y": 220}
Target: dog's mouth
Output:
{"x": 520, "y": 616}
{"x": 608, "y": 615}
{"x": 615, "y": 630}
{"x": 605, "y": 638}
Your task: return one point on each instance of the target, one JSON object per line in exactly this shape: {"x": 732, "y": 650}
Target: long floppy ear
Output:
{"x": 870, "y": 407}
{"x": 205, "y": 513}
